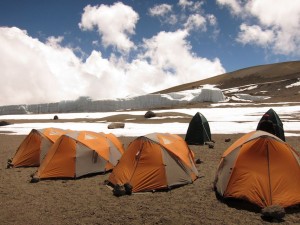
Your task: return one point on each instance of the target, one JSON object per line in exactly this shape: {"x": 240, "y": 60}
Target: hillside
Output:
{"x": 272, "y": 80}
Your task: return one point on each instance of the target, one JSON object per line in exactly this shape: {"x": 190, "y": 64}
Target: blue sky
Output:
{"x": 57, "y": 50}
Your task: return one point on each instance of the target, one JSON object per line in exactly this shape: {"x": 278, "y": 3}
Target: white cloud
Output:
{"x": 33, "y": 72}
{"x": 277, "y": 26}
{"x": 255, "y": 34}
{"x": 164, "y": 12}
{"x": 189, "y": 15}
{"x": 212, "y": 19}
{"x": 54, "y": 41}
{"x": 170, "y": 52}
{"x": 233, "y": 5}
{"x": 283, "y": 18}
{"x": 37, "y": 72}
{"x": 114, "y": 23}
{"x": 195, "y": 21}
{"x": 160, "y": 10}
{"x": 185, "y": 3}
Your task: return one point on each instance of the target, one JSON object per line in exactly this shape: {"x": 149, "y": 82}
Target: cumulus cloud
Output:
{"x": 185, "y": 3}
{"x": 195, "y": 21}
{"x": 37, "y": 72}
{"x": 255, "y": 34}
{"x": 160, "y": 10}
{"x": 114, "y": 30}
{"x": 171, "y": 53}
{"x": 164, "y": 12}
{"x": 189, "y": 15}
{"x": 277, "y": 26}
{"x": 234, "y": 5}
{"x": 34, "y": 72}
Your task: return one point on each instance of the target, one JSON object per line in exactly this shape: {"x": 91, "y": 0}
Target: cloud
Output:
{"x": 114, "y": 23}
{"x": 41, "y": 72}
{"x": 36, "y": 72}
{"x": 33, "y": 72}
{"x": 272, "y": 24}
{"x": 187, "y": 15}
{"x": 255, "y": 34}
{"x": 160, "y": 10}
{"x": 185, "y": 3}
{"x": 164, "y": 12}
{"x": 195, "y": 21}
{"x": 233, "y": 5}
{"x": 171, "y": 53}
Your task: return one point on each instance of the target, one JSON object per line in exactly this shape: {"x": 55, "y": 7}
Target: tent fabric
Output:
{"x": 35, "y": 146}
{"x": 260, "y": 168}
{"x": 198, "y": 131}
{"x": 271, "y": 123}
{"x": 154, "y": 162}
{"x": 80, "y": 153}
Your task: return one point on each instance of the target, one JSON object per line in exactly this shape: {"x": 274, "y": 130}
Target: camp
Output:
{"x": 80, "y": 153}
{"x": 34, "y": 147}
{"x": 157, "y": 161}
{"x": 198, "y": 131}
{"x": 261, "y": 169}
{"x": 270, "y": 122}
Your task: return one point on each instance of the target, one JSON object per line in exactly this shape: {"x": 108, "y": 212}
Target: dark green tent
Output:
{"x": 270, "y": 122}
{"x": 198, "y": 131}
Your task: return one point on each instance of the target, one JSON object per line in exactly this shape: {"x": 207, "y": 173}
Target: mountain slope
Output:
{"x": 272, "y": 80}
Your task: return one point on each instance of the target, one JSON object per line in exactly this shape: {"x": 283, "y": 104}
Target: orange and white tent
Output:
{"x": 80, "y": 153}
{"x": 260, "y": 168}
{"x": 154, "y": 162}
{"x": 35, "y": 146}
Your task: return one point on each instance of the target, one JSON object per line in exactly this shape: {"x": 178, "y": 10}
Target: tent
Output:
{"x": 270, "y": 122}
{"x": 156, "y": 161}
{"x": 198, "y": 131}
{"x": 261, "y": 169}
{"x": 80, "y": 153}
{"x": 35, "y": 146}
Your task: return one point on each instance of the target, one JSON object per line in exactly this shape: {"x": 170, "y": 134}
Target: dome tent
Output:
{"x": 270, "y": 122}
{"x": 80, "y": 153}
{"x": 198, "y": 131}
{"x": 34, "y": 147}
{"x": 261, "y": 169}
{"x": 157, "y": 161}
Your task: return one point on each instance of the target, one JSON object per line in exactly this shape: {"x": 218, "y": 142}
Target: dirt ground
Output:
{"x": 89, "y": 201}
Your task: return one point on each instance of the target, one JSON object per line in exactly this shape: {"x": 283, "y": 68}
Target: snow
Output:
{"x": 230, "y": 120}
{"x": 294, "y": 84}
{"x": 221, "y": 120}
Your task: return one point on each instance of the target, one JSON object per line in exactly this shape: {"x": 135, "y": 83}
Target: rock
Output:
{"x": 149, "y": 114}
{"x": 4, "y": 123}
{"x": 115, "y": 125}
{"x": 198, "y": 161}
{"x": 273, "y": 212}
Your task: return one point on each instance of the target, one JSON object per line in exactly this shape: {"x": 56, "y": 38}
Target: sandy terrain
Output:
{"x": 89, "y": 201}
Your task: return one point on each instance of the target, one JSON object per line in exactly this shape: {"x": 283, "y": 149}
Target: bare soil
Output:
{"x": 89, "y": 201}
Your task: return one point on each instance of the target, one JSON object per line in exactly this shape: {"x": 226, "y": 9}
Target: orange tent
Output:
{"x": 260, "y": 168}
{"x": 155, "y": 161}
{"x": 80, "y": 153}
{"x": 35, "y": 146}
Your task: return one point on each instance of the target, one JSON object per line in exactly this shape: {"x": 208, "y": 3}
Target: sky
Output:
{"x": 60, "y": 50}
{"x": 237, "y": 120}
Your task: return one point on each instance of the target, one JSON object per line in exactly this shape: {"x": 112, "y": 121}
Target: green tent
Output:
{"x": 198, "y": 131}
{"x": 270, "y": 122}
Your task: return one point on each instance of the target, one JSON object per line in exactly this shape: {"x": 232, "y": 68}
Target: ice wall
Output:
{"x": 149, "y": 101}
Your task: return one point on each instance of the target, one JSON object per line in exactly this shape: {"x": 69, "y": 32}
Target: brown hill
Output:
{"x": 271, "y": 80}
